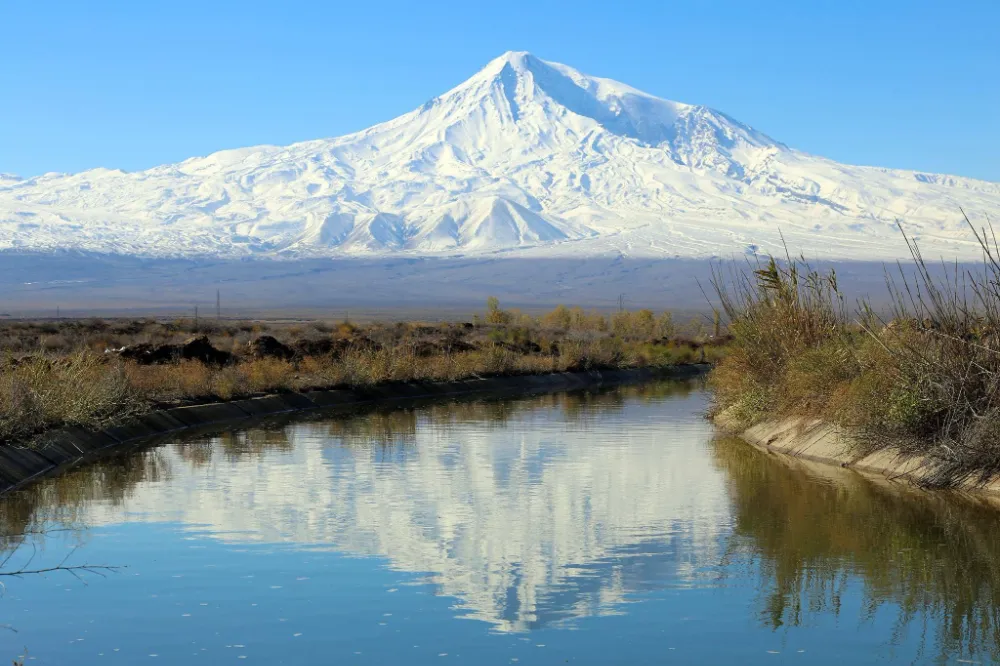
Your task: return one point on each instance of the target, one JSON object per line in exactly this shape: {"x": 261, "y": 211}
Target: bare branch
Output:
{"x": 89, "y": 568}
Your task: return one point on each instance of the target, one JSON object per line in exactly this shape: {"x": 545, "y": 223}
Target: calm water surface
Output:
{"x": 590, "y": 528}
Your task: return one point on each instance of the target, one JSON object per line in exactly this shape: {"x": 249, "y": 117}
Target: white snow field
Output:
{"x": 526, "y": 159}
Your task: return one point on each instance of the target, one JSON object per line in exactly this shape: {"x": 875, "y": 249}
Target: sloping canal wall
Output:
{"x": 818, "y": 441}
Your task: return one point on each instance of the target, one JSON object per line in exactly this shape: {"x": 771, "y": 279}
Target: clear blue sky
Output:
{"x": 133, "y": 84}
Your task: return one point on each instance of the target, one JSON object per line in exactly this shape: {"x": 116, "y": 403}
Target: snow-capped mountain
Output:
{"x": 526, "y": 155}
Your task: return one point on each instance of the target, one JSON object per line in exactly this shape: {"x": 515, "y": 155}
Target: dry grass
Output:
{"x": 70, "y": 373}
{"x": 924, "y": 378}
{"x": 81, "y": 388}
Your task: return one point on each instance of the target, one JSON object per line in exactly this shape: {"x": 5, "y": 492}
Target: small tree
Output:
{"x": 644, "y": 323}
{"x": 665, "y": 325}
{"x": 494, "y": 315}
{"x": 621, "y": 323}
{"x": 696, "y": 327}
{"x": 559, "y": 318}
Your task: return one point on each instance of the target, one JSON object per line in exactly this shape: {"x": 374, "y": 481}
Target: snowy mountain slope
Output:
{"x": 526, "y": 156}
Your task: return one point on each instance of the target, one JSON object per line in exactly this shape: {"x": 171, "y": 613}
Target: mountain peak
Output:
{"x": 510, "y": 64}
{"x": 517, "y": 85}
{"x": 514, "y": 58}
{"x": 524, "y": 63}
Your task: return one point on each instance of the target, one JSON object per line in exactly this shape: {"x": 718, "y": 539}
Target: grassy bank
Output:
{"x": 922, "y": 376}
{"x": 96, "y": 373}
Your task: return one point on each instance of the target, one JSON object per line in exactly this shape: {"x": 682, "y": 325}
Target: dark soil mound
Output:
{"x": 522, "y": 347}
{"x": 201, "y": 349}
{"x": 266, "y": 346}
{"x": 426, "y": 348}
{"x": 146, "y": 354}
{"x": 195, "y": 349}
{"x": 319, "y": 347}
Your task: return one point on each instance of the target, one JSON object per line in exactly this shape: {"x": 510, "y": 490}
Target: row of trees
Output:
{"x": 636, "y": 323}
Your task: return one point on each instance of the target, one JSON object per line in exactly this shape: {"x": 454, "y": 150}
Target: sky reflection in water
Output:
{"x": 598, "y": 528}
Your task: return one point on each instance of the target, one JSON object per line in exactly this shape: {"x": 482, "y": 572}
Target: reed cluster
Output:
{"x": 921, "y": 375}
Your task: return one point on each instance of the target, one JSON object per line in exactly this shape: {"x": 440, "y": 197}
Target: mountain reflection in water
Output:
{"x": 540, "y": 512}
{"x": 523, "y": 531}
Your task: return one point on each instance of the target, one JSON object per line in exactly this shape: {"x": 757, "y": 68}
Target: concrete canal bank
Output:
{"x": 818, "y": 441}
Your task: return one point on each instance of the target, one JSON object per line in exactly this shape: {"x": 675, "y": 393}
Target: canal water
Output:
{"x": 610, "y": 527}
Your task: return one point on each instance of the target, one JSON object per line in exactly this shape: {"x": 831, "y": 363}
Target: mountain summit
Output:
{"x": 526, "y": 155}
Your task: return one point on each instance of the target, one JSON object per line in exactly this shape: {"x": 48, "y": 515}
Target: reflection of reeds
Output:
{"x": 234, "y": 446}
{"x": 932, "y": 557}
{"x": 381, "y": 428}
{"x": 60, "y": 499}
{"x": 253, "y": 442}
{"x": 388, "y": 427}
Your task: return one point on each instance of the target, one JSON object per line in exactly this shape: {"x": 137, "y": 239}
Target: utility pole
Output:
{"x": 196, "y": 317}
{"x": 621, "y": 302}
{"x": 218, "y": 305}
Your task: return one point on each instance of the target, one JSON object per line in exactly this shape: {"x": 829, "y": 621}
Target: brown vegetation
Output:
{"x": 93, "y": 373}
{"x": 923, "y": 378}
